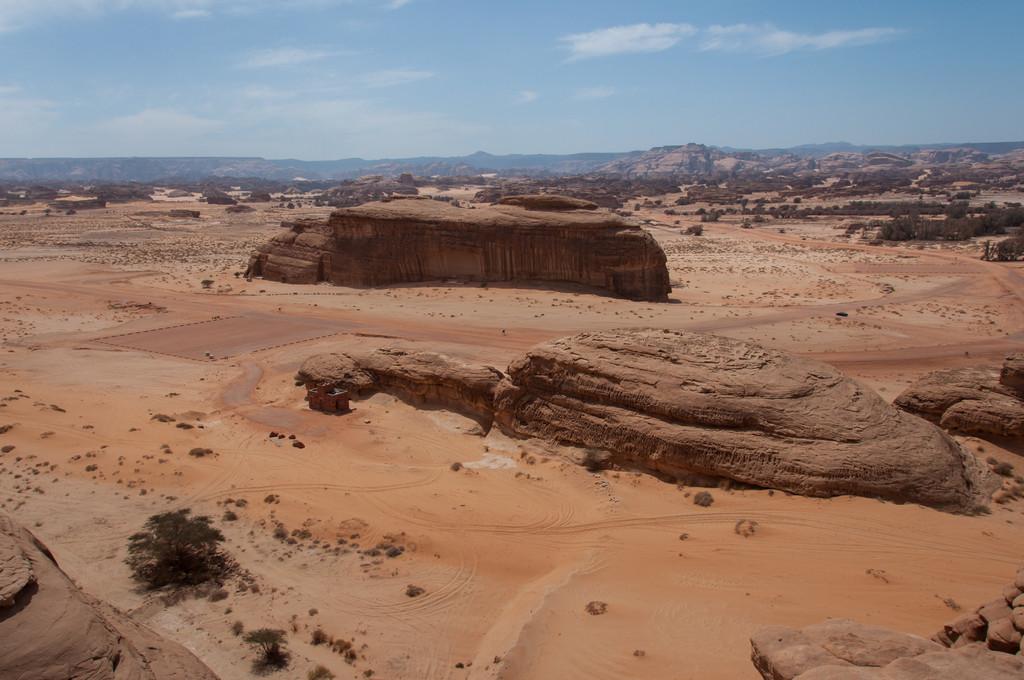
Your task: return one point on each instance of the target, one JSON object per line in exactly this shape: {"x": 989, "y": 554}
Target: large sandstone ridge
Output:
{"x": 982, "y": 645}
{"x": 696, "y": 408}
{"x": 49, "y": 629}
{"x": 978, "y": 401}
{"x": 406, "y": 241}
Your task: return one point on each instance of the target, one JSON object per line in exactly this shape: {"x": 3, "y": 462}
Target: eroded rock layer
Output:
{"x": 690, "y": 407}
{"x": 681, "y": 404}
{"x": 422, "y": 378}
{"x": 847, "y": 650}
{"x": 423, "y": 240}
{"x": 50, "y": 629}
{"x": 978, "y": 401}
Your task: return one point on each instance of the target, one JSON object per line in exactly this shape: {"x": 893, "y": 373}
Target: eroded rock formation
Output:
{"x": 49, "y": 629}
{"x": 422, "y": 378}
{"x": 982, "y": 645}
{"x": 979, "y": 401}
{"x": 422, "y": 240}
{"x": 684, "y": 404}
{"x": 694, "y": 408}
{"x": 846, "y": 650}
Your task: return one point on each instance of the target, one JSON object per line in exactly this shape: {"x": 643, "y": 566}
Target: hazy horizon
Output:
{"x": 336, "y": 79}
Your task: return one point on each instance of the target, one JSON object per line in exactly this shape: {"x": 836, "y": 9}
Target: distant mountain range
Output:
{"x": 689, "y": 158}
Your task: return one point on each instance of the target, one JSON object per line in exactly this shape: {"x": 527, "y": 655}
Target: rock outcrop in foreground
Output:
{"x": 49, "y": 629}
{"x": 983, "y": 645}
{"x": 696, "y": 408}
{"x": 409, "y": 240}
{"x": 977, "y": 401}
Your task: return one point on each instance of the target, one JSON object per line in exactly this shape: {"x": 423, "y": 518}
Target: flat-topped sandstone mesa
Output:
{"x": 406, "y": 241}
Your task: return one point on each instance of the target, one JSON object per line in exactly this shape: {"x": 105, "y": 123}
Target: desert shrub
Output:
{"x": 703, "y": 499}
{"x": 270, "y": 644}
{"x": 206, "y": 283}
{"x": 175, "y": 549}
{"x": 319, "y": 673}
{"x": 237, "y": 627}
{"x": 230, "y": 516}
{"x": 319, "y": 637}
{"x": 217, "y": 595}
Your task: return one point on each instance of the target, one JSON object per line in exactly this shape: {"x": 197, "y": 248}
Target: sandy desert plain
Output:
{"x": 105, "y": 324}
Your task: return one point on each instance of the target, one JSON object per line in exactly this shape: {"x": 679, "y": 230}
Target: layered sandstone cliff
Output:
{"x": 50, "y": 629}
{"x": 691, "y": 407}
{"x": 422, "y": 240}
{"x": 978, "y": 401}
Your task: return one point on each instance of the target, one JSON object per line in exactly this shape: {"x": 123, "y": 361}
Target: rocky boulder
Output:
{"x": 49, "y": 629}
{"x": 977, "y": 401}
{"x": 986, "y": 645}
{"x": 685, "y": 406}
{"x": 400, "y": 241}
{"x": 781, "y": 653}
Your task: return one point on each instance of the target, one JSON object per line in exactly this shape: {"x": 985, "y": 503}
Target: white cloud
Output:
{"x": 393, "y": 77}
{"x": 282, "y": 56}
{"x": 397, "y": 4}
{"x": 626, "y": 39}
{"x": 768, "y": 40}
{"x": 527, "y": 96}
{"x": 159, "y": 124}
{"x": 592, "y": 93}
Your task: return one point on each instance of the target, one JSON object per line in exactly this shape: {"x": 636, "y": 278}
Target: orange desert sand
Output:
{"x": 105, "y": 324}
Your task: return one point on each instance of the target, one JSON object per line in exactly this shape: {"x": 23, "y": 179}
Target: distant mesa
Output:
{"x": 978, "y": 401}
{"x": 408, "y": 241}
{"x": 548, "y": 202}
{"x": 78, "y": 203}
{"x": 51, "y": 629}
{"x": 697, "y": 409}
{"x": 216, "y": 197}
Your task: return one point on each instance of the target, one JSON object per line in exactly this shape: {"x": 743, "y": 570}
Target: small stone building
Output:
{"x": 328, "y": 398}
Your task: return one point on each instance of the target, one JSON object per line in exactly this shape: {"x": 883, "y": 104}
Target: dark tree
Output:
{"x": 178, "y": 550}
{"x": 269, "y": 642}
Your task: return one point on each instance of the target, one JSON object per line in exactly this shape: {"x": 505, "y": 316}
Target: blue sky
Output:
{"x": 324, "y": 79}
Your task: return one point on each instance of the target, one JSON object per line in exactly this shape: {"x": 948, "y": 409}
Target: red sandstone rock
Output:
{"x": 422, "y": 240}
